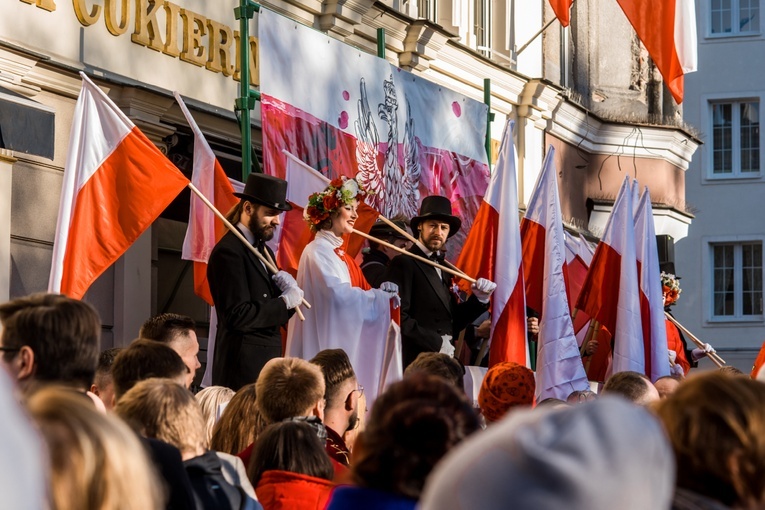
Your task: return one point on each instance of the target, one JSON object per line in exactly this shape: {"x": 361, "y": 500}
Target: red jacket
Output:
{"x": 283, "y": 490}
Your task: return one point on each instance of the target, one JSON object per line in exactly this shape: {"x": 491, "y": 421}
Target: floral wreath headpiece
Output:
{"x": 340, "y": 192}
{"x": 670, "y": 287}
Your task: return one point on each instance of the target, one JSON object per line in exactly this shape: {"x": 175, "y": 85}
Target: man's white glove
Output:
{"x": 292, "y": 297}
{"x": 677, "y": 370}
{"x": 482, "y": 289}
{"x": 392, "y": 289}
{"x": 699, "y": 352}
{"x": 284, "y": 280}
{"x": 446, "y": 345}
{"x": 672, "y": 355}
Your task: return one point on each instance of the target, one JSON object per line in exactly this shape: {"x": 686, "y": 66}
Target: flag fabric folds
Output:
{"x": 667, "y": 29}
{"x": 562, "y": 9}
{"x": 204, "y": 229}
{"x": 651, "y": 295}
{"x": 116, "y": 183}
{"x": 493, "y": 251}
{"x": 559, "y": 365}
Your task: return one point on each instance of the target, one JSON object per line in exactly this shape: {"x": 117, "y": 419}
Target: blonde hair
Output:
{"x": 288, "y": 387}
{"x": 97, "y": 462}
{"x": 210, "y": 399}
{"x": 240, "y": 424}
{"x": 163, "y": 409}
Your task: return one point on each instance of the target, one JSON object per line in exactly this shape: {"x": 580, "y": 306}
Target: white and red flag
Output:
{"x": 493, "y": 251}
{"x": 651, "y": 296}
{"x": 578, "y": 258}
{"x": 204, "y": 229}
{"x": 116, "y": 183}
{"x": 562, "y": 9}
{"x": 611, "y": 294}
{"x": 667, "y": 29}
{"x": 559, "y": 365}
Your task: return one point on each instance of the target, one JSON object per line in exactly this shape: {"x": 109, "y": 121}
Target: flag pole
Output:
{"x": 239, "y": 235}
{"x": 712, "y": 355}
{"x": 412, "y": 239}
{"x": 410, "y": 254}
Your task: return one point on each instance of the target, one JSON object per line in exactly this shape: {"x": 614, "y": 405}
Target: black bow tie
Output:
{"x": 437, "y": 257}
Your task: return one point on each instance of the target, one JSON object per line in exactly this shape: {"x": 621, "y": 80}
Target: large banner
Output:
{"x": 343, "y": 111}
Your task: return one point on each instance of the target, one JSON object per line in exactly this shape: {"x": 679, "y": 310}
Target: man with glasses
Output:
{"x": 343, "y": 394}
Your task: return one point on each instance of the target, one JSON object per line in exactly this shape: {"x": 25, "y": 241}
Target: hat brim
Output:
{"x": 453, "y": 221}
{"x": 286, "y": 206}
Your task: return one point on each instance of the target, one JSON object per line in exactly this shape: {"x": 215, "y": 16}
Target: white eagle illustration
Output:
{"x": 395, "y": 188}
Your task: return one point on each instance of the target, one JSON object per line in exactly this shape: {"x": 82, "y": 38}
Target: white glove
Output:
{"x": 676, "y": 370}
{"x": 672, "y": 355}
{"x": 292, "y": 297}
{"x": 482, "y": 289}
{"x": 446, "y": 345}
{"x": 284, "y": 280}
{"x": 699, "y": 352}
{"x": 392, "y": 289}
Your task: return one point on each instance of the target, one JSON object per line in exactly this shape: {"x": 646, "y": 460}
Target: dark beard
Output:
{"x": 265, "y": 233}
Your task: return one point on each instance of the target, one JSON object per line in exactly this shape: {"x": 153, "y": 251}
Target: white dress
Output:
{"x": 346, "y": 317}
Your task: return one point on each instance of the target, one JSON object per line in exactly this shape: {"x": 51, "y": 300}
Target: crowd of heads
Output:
{"x": 303, "y": 436}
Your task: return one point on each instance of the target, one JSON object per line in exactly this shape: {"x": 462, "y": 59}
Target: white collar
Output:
{"x": 426, "y": 251}
{"x": 335, "y": 241}
{"x": 247, "y": 232}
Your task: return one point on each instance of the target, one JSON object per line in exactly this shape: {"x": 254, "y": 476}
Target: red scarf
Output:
{"x": 357, "y": 276}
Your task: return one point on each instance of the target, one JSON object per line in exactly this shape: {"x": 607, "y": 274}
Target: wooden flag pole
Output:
{"x": 587, "y": 337}
{"x": 596, "y": 330}
{"x": 239, "y": 235}
{"x": 716, "y": 359}
{"x": 410, "y": 254}
{"x": 413, "y": 240}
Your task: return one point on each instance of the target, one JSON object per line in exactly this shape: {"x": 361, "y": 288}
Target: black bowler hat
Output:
{"x": 382, "y": 230}
{"x": 266, "y": 190}
{"x": 436, "y": 207}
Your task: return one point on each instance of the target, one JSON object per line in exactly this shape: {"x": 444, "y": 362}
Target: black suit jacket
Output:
{"x": 428, "y": 308}
{"x": 249, "y": 312}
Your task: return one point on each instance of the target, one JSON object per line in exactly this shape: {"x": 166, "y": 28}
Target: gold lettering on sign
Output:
{"x": 172, "y": 12}
{"x": 254, "y": 71}
{"x": 146, "y": 31}
{"x": 85, "y": 17}
{"x": 110, "y": 16}
{"x": 219, "y": 48}
{"x": 48, "y": 5}
{"x": 194, "y": 51}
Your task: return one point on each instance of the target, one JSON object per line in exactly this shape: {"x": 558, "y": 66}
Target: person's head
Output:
{"x": 385, "y": 232}
{"x": 667, "y": 385}
{"x": 559, "y": 458}
{"x": 435, "y": 223}
{"x": 289, "y": 446}
{"x": 240, "y": 424}
{"x": 716, "y": 424}
{"x": 144, "y": 359}
{"x": 165, "y": 410}
{"x": 581, "y": 396}
{"x": 440, "y": 365}
{"x": 413, "y": 424}
{"x": 179, "y": 333}
{"x": 289, "y": 387}
{"x": 506, "y": 385}
{"x": 336, "y": 208}
{"x": 50, "y": 338}
{"x": 263, "y": 200}
{"x": 342, "y": 390}
{"x": 633, "y": 386}
{"x": 210, "y": 400}
{"x": 731, "y": 371}
{"x": 103, "y": 384}
{"x": 96, "y": 461}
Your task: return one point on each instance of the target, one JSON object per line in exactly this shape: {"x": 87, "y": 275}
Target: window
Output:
{"x": 734, "y": 17}
{"x": 482, "y": 26}
{"x": 427, "y": 9}
{"x": 737, "y": 280}
{"x": 735, "y": 139}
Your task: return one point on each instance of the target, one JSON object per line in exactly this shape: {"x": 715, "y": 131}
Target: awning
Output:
{"x": 26, "y": 125}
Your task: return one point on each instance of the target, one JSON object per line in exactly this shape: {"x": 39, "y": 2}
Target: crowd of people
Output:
{"x": 340, "y": 422}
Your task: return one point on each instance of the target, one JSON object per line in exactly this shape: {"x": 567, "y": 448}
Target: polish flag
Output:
{"x": 562, "y": 9}
{"x": 651, "y": 296}
{"x": 611, "y": 293}
{"x": 116, "y": 183}
{"x": 204, "y": 229}
{"x": 559, "y": 365}
{"x": 493, "y": 251}
{"x": 667, "y": 28}
{"x": 578, "y": 258}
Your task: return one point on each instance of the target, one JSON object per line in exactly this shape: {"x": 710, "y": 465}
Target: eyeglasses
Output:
{"x": 360, "y": 389}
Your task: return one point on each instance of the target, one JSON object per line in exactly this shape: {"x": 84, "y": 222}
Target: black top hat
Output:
{"x": 266, "y": 190}
{"x": 381, "y": 229}
{"x": 436, "y": 207}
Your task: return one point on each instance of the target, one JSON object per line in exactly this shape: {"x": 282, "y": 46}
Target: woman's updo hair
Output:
{"x": 411, "y": 427}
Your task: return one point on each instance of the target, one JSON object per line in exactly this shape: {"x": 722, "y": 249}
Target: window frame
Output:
{"x": 735, "y": 21}
{"x": 738, "y": 242}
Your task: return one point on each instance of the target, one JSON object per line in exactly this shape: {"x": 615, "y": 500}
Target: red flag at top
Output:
{"x": 562, "y": 10}
{"x": 116, "y": 183}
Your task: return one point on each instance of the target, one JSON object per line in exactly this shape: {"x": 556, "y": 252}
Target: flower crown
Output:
{"x": 340, "y": 192}
{"x": 670, "y": 287}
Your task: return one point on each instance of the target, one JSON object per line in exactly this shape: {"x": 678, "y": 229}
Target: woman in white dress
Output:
{"x": 346, "y": 313}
